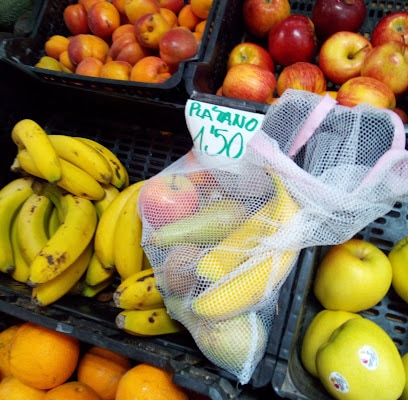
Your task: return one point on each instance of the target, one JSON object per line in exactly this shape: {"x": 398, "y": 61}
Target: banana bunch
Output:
{"x": 144, "y": 312}
{"x": 80, "y": 166}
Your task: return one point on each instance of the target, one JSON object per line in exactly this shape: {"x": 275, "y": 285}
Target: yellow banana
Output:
{"x": 105, "y": 231}
{"x": 127, "y": 248}
{"x": 32, "y": 225}
{"x": 110, "y": 193}
{"x": 12, "y": 196}
{"x": 21, "y": 267}
{"x": 96, "y": 273}
{"x": 27, "y": 134}
{"x": 83, "y": 156}
{"x": 73, "y": 179}
{"x": 53, "y": 222}
{"x": 92, "y": 291}
{"x": 138, "y": 292}
{"x": 120, "y": 176}
{"x": 151, "y": 322}
{"x": 250, "y": 279}
{"x": 68, "y": 242}
{"x": 48, "y": 292}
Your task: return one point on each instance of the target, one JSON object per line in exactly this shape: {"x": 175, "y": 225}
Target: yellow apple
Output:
{"x": 360, "y": 361}
{"x": 353, "y": 276}
{"x": 404, "y": 395}
{"x": 398, "y": 257}
{"x": 318, "y": 332}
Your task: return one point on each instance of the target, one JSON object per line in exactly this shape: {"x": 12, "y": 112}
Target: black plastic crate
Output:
{"x": 205, "y": 76}
{"x": 24, "y": 52}
{"x": 145, "y": 151}
{"x": 290, "y": 379}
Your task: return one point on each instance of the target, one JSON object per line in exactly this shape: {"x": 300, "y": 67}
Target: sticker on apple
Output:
{"x": 368, "y": 357}
{"x": 219, "y": 130}
{"x": 339, "y": 382}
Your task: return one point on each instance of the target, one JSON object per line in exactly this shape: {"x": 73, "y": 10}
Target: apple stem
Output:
{"x": 358, "y": 51}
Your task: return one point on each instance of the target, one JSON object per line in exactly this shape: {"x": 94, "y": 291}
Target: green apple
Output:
{"x": 398, "y": 257}
{"x": 323, "y": 324}
{"x": 353, "y": 276}
{"x": 404, "y": 395}
{"x": 360, "y": 361}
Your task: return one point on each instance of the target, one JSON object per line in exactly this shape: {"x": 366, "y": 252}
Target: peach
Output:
{"x": 122, "y": 29}
{"x": 136, "y": 8}
{"x": 127, "y": 48}
{"x": 103, "y": 19}
{"x": 150, "y": 69}
{"x": 177, "y": 45}
{"x": 171, "y": 16}
{"x": 87, "y": 45}
{"x": 116, "y": 70}
{"x": 89, "y": 66}
{"x": 173, "y": 5}
{"x": 150, "y": 28}
{"x": 76, "y": 19}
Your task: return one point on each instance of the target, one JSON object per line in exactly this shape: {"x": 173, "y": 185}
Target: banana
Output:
{"x": 12, "y": 196}
{"x": 53, "y": 222}
{"x": 73, "y": 179}
{"x": 68, "y": 242}
{"x": 27, "y": 134}
{"x": 120, "y": 177}
{"x": 251, "y": 279}
{"x": 138, "y": 292}
{"x": 128, "y": 251}
{"x": 96, "y": 273}
{"x": 52, "y": 290}
{"x": 92, "y": 291}
{"x": 83, "y": 156}
{"x": 32, "y": 225}
{"x": 110, "y": 193}
{"x": 147, "y": 322}
{"x": 21, "y": 267}
{"x": 105, "y": 231}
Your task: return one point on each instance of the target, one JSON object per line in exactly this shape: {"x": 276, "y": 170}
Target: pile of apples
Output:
{"x": 137, "y": 40}
{"x": 325, "y": 53}
{"x": 352, "y": 355}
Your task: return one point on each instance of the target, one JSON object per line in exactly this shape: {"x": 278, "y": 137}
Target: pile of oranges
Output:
{"x": 38, "y": 363}
{"x": 105, "y": 42}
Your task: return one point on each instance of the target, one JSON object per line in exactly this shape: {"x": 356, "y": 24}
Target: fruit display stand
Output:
{"x": 145, "y": 149}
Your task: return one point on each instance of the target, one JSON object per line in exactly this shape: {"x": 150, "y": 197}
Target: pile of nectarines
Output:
{"x": 136, "y": 40}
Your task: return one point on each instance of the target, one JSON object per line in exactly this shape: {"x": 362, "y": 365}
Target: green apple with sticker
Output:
{"x": 361, "y": 361}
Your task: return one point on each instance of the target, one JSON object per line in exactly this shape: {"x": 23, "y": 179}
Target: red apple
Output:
{"x": 176, "y": 45}
{"x": 103, "y": 19}
{"x": 76, "y": 19}
{"x": 393, "y": 26}
{"x": 87, "y": 45}
{"x": 301, "y": 76}
{"x": 249, "y": 82}
{"x": 262, "y": 15}
{"x": 150, "y": 28}
{"x": 364, "y": 89}
{"x": 292, "y": 39}
{"x": 388, "y": 62}
{"x": 168, "y": 198}
{"x": 342, "y": 55}
{"x": 252, "y": 53}
{"x": 173, "y": 5}
{"x": 330, "y": 16}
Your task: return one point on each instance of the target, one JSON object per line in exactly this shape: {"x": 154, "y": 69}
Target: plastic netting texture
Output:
{"x": 223, "y": 234}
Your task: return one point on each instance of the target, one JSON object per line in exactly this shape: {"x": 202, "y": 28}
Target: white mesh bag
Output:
{"x": 315, "y": 174}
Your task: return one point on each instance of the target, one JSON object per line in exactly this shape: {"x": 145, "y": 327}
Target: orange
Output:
{"x": 187, "y": 18}
{"x": 55, "y": 45}
{"x": 12, "y": 388}
{"x": 146, "y": 382}
{"x": 101, "y": 369}
{"x": 201, "y": 8}
{"x": 6, "y": 336}
{"x": 72, "y": 390}
{"x": 41, "y": 357}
